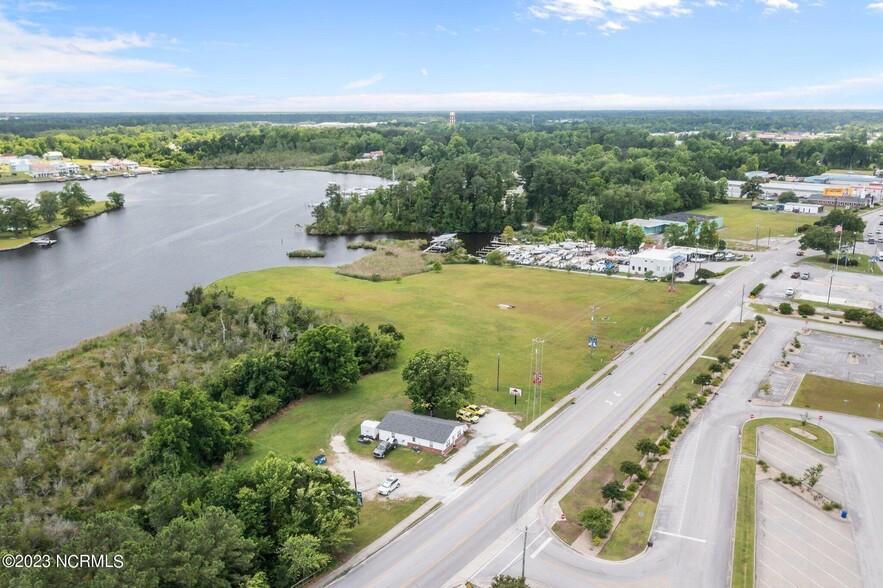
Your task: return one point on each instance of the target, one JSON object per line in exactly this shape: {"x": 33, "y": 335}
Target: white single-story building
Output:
{"x": 67, "y": 168}
{"x": 802, "y": 207}
{"x": 659, "y": 261}
{"x": 101, "y": 166}
{"x": 53, "y": 156}
{"x": 415, "y": 430}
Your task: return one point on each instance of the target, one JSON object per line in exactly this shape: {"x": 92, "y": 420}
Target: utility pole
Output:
{"x": 756, "y": 234}
{"x": 836, "y": 265}
{"x": 356, "y": 490}
{"x": 769, "y": 237}
{"x": 592, "y": 336}
{"x": 524, "y": 553}
{"x": 741, "y": 304}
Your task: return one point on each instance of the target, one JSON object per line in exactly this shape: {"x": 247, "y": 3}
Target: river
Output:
{"x": 176, "y": 230}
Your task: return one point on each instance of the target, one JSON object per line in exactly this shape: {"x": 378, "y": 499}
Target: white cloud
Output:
{"x": 611, "y": 26}
{"x": 27, "y": 52}
{"x": 364, "y": 83}
{"x": 712, "y": 3}
{"x": 609, "y": 13}
{"x": 538, "y": 31}
{"x": 876, "y": 6}
{"x": 424, "y": 72}
{"x": 777, "y": 5}
{"x": 20, "y": 94}
{"x": 37, "y": 6}
{"x": 444, "y": 29}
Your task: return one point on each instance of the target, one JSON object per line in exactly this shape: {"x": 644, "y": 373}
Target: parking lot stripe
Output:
{"x": 541, "y": 547}
{"x": 845, "y": 534}
{"x": 800, "y": 572}
{"x": 810, "y": 529}
{"x": 798, "y": 555}
{"x": 678, "y": 535}
{"x": 773, "y": 570}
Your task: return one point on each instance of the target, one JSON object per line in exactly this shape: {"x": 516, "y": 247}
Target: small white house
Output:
{"x": 101, "y": 167}
{"x": 129, "y": 164}
{"x": 53, "y": 156}
{"x": 425, "y": 432}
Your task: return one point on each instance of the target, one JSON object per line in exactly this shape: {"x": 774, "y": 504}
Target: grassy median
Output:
{"x": 743, "y": 547}
{"x": 630, "y": 537}
{"x": 820, "y": 393}
{"x": 824, "y": 442}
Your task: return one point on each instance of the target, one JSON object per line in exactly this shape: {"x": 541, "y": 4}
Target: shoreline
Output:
{"x": 52, "y": 229}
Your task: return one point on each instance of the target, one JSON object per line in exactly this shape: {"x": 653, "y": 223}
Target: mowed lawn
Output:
{"x": 853, "y": 398}
{"x": 457, "y": 308}
{"x": 741, "y": 221}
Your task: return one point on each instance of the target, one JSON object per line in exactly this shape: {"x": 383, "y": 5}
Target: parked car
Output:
{"x": 476, "y": 410}
{"x": 390, "y": 484}
{"x": 804, "y": 276}
{"x": 366, "y": 439}
{"x": 679, "y": 274}
{"x": 800, "y": 253}
{"x": 789, "y": 292}
{"x": 795, "y": 275}
{"x": 383, "y": 449}
{"x": 467, "y": 416}
{"x": 872, "y": 241}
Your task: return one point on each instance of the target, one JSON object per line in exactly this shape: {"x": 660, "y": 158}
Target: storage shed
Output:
{"x": 370, "y": 428}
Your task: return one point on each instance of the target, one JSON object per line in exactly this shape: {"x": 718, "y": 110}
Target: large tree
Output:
{"x": 47, "y": 205}
{"x": 751, "y": 189}
{"x": 437, "y": 382}
{"x": 18, "y": 215}
{"x": 597, "y": 520}
{"x": 73, "y": 199}
{"x": 326, "y": 359}
{"x": 820, "y": 239}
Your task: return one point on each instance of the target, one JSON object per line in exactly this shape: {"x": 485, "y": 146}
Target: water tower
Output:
{"x": 452, "y": 118}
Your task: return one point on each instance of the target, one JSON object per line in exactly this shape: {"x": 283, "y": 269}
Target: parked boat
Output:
{"x": 44, "y": 242}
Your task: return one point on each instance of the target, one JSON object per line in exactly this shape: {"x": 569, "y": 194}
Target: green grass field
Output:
{"x": 824, "y": 443}
{"x": 822, "y": 393}
{"x": 10, "y": 241}
{"x": 865, "y": 266}
{"x": 457, "y": 308}
{"x": 378, "y": 517}
{"x": 631, "y": 535}
{"x": 743, "y": 546}
{"x": 744, "y": 223}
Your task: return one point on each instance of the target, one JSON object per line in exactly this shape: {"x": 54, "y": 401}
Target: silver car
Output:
{"x": 390, "y": 484}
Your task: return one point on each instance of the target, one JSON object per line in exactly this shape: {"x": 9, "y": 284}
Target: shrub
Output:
{"x": 704, "y": 274}
{"x": 873, "y": 321}
{"x": 596, "y": 541}
{"x": 854, "y": 314}
{"x": 757, "y": 289}
{"x": 633, "y": 487}
{"x": 805, "y": 309}
{"x": 495, "y": 258}
{"x": 785, "y": 308}
{"x": 306, "y": 253}
{"x": 597, "y": 520}
{"x": 776, "y": 273}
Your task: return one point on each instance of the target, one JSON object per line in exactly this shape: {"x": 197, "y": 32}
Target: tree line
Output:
{"x": 18, "y": 216}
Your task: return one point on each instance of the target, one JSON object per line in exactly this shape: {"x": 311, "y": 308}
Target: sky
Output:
{"x": 418, "y": 55}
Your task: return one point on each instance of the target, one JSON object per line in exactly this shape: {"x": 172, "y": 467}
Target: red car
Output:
{"x": 795, "y": 275}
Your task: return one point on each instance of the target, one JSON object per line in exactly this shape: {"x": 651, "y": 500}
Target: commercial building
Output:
{"x": 800, "y": 207}
{"x": 841, "y": 201}
{"x": 659, "y": 261}
{"x": 650, "y": 227}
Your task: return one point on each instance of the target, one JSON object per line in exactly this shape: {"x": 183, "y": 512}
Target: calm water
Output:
{"x": 176, "y": 230}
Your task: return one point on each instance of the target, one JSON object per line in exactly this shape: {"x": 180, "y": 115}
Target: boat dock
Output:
{"x": 496, "y": 243}
{"x": 441, "y": 244}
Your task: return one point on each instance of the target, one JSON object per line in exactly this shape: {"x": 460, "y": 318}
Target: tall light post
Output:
{"x": 756, "y": 234}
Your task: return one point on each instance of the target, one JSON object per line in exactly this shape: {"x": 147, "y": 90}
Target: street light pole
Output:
{"x": 741, "y": 304}
{"x": 756, "y": 234}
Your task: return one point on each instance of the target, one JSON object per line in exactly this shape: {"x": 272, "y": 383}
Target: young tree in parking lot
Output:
{"x": 437, "y": 381}
{"x": 680, "y": 410}
{"x": 785, "y": 308}
{"x": 633, "y": 469}
{"x": 806, "y": 310}
{"x": 873, "y": 321}
{"x": 646, "y": 446}
{"x": 820, "y": 239}
{"x": 702, "y": 380}
{"x": 597, "y": 520}
{"x": 613, "y": 491}
{"x": 812, "y": 475}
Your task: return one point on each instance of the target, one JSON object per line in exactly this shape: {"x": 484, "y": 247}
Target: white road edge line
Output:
{"x": 680, "y": 536}
{"x": 541, "y": 547}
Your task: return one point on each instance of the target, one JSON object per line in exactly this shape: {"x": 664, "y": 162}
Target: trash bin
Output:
{"x": 843, "y": 514}
{"x": 319, "y": 459}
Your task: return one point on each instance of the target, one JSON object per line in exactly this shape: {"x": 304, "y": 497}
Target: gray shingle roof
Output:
{"x": 406, "y": 424}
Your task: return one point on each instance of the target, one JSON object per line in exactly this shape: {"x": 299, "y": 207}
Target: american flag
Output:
{"x": 838, "y": 229}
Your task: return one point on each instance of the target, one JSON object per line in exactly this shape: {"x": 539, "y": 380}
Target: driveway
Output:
{"x": 439, "y": 482}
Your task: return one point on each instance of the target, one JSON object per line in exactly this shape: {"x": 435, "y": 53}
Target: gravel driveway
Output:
{"x": 493, "y": 429}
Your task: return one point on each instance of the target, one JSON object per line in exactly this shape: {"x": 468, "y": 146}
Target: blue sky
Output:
{"x": 443, "y": 55}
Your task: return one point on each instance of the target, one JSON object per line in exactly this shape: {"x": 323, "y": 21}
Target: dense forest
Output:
{"x": 126, "y": 445}
{"x": 483, "y": 176}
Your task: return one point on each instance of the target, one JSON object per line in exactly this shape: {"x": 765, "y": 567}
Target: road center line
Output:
{"x": 678, "y": 535}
